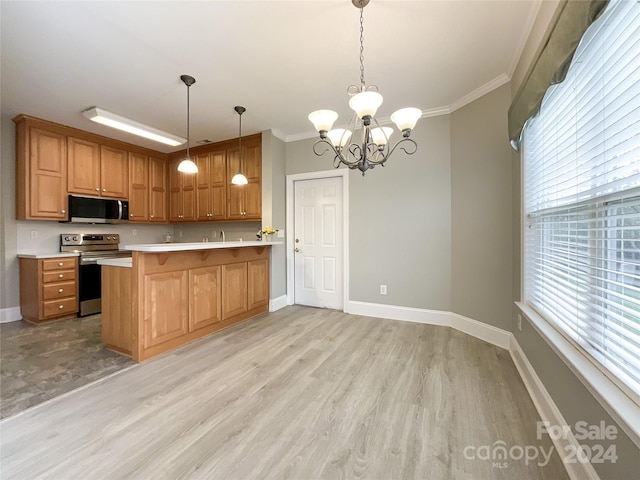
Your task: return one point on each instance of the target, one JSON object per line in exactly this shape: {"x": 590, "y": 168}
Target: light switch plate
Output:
{"x": 280, "y": 233}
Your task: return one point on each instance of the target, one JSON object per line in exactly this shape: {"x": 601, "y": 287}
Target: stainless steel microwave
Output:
{"x": 97, "y": 210}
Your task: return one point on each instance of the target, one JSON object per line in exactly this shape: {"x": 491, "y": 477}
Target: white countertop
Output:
{"x": 180, "y": 247}
{"x": 126, "y": 262}
{"x": 48, "y": 255}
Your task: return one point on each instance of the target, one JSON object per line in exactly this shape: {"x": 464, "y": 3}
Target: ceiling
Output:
{"x": 279, "y": 59}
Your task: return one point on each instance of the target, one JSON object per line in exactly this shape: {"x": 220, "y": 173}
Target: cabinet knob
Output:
{"x": 151, "y": 216}
{"x": 61, "y": 276}
{"x": 63, "y": 211}
{"x": 104, "y": 189}
{"x": 60, "y": 290}
{"x": 60, "y": 264}
{"x": 60, "y": 307}
{"x": 97, "y": 189}
{"x": 131, "y": 214}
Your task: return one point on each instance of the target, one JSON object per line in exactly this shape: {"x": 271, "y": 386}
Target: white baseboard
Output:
{"x": 549, "y": 412}
{"x": 483, "y": 331}
{"x": 488, "y": 333}
{"x": 11, "y": 314}
{"x": 277, "y": 303}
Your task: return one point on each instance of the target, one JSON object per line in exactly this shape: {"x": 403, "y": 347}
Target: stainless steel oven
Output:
{"x": 91, "y": 248}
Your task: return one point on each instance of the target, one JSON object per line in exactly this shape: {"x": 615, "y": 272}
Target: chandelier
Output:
{"x": 365, "y": 101}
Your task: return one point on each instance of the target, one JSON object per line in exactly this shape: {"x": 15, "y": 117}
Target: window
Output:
{"x": 582, "y": 198}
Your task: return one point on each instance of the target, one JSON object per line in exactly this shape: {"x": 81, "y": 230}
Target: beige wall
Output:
{"x": 399, "y": 220}
{"x": 481, "y": 210}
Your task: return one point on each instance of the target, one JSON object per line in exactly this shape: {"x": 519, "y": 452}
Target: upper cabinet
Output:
{"x": 211, "y": 190}
{"x": 54, "y": 160}
{"x": 158, "y": 211}
{"x": 97, "y": 170}
{"x": 41, "y": 171}
{"x": 244, "y": 202}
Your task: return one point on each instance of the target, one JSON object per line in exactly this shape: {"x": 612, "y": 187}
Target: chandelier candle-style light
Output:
{"x": 365, "y": 101}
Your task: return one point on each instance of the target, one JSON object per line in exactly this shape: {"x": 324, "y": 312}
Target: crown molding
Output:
{"x": 480, "y": 91}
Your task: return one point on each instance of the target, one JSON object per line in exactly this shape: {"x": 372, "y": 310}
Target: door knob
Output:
{"x": 297, "y": 240}
{"x": 297, "y": 249}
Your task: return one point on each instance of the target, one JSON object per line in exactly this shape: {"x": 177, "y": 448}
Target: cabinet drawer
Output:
{"x": 53, "y": 308}
{"x": 58, "y": 264}
{"x": 58, "y": 276}
{"x": 58, "y": 290}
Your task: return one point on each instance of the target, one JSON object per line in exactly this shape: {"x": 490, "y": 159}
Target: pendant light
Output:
{"x": 187, "y": 165}
{"x": 239, "y": 178}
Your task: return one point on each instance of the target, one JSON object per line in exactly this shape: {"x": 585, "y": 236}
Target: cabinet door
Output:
{"x": 218, "y": 176}
{"x": 258, "y": 283}
{"x": 205, "y": 290}
{"x": 47, "y": 175}
{"x": 157, "y": 190}
{"x": 175, "y": 192}
{"x": 253, "y": 201}
{"x": 138, "y": 187}
{"x": 203, "y": 187}
{"x": 234, "y": 289}
{"x": 188, "y": 197}
{"x": 114, "y": 172}
{"x": 166, "y": 307}
{"x": 84, "y": 166}
{"x": 235, "y": 202}
{"x": 252, "y": 161}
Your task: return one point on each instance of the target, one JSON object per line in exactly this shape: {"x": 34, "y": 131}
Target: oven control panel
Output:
{"x": 79, "y": 239}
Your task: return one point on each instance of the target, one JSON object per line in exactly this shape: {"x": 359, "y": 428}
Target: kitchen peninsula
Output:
{"x": 170, "y": 294}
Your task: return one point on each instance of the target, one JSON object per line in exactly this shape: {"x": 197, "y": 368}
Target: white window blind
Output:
{"x": 582, "y": 198}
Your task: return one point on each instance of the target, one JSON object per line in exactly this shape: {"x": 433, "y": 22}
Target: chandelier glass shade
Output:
{"x": 187, "y": 165}
{"x": 373, "y": 148}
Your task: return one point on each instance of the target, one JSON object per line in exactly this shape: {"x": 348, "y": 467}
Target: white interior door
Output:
{"x": 318, "y": 245}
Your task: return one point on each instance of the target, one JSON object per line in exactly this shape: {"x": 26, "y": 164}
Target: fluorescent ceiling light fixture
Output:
{"x": 131, "y": 126}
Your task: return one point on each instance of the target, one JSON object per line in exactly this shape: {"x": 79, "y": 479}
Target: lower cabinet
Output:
{"x": 48, "y": 288}
{"x": 166, "y": 306}
{"x": 205, "y": 288}
{"x": 184, "y": 295}
{"x": 234, "y": 290}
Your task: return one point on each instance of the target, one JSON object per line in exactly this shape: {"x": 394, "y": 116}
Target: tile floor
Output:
{"x": 39, "y": 362}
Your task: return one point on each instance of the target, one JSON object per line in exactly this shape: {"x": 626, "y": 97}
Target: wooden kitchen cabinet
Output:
{"x": 205, "y": 291}
{"x": 41, "y": 171}
{"x": 166, "y": 306}
{"x": 211, "y": 183}
{"x": 83, "y": 163}
{"x": 257, "y": 287}
{"x": 158, "y": 211}
{"x": 97, "y": 170}
{"x": 244, "y": 202}
{"x": 48, "y": 288}
{"x": 234, "y": 289}
{"x": 182, "y": 193}
{"x": 138, "y": 188}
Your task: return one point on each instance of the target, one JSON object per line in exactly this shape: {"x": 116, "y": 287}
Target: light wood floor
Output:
{"x": 300, "y": 394}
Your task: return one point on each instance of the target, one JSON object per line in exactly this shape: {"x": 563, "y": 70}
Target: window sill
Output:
{"x": 621, "y": 408}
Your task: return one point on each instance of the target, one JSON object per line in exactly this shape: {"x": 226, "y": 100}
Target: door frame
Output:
{"x": 290, "y": 229}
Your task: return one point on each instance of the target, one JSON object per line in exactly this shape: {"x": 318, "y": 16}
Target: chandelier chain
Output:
{"x": 362, "y": 48}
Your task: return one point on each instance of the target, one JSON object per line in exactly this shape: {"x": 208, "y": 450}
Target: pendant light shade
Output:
{"x": 187, "y": 165}
{"x": 239, "y": 178}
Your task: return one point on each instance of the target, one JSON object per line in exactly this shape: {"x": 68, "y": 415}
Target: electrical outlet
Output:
{"x": 134, "y": 231}
{"x": 383, "y": 289}
{"x": 179, "y": 233}
{"x": 519, "y": 322}
{"x": 34, "y": 234}
{"x": 280, "y": 233}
